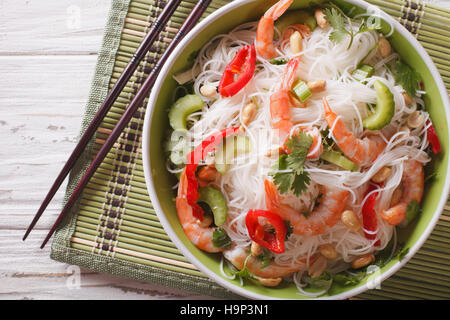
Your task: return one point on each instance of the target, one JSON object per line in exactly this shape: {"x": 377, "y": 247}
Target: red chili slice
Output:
{"x": 243, "y": 65}
{"x": 369, "y": 214}
{"x": 272, "y": 241}
{"x": 433, "y": 138}
{"x": 193, "y": 159}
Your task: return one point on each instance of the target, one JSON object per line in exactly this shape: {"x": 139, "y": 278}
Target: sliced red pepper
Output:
{"x": 194, "y": 158}
{"x": 433, "y": 138}
{"x": 272, "y": 241}
{"x": 369, "y": 214}
{"x": 243, "y": 65}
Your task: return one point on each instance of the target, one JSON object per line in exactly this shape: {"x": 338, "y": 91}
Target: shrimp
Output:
{"x": 413, "y": 182}
{"x": 264, "y": 33}
{"x": 323, "y": 217}
{"x": 280, "y": 111}
{"x": 240, "y": 258}
{"x": 361, "y": 151}
{"x": 199, "y": 235}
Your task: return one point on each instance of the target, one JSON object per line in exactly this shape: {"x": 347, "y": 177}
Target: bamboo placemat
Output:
{"x": 113, "y": 227}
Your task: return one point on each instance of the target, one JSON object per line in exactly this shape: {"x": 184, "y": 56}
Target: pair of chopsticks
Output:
{"x": 145, "y": 46}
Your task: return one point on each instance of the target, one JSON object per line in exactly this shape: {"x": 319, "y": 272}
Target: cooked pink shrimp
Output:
{"x": 264, "y": 33}
{"x": 280, "y": 101}
{"x": 239, "y": 257}
{"x": 412, "y": 182}
{"x": 361, "y": 151}
{"x": 280, "y": 111}
{"x": 200, "y": 236}
{"x": 323, "y": 217}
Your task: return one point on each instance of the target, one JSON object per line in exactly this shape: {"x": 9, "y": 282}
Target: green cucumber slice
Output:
{"x": 182, "y": 108}
{"x": 216, "y": 201}
{"x": 301, "y": 90}
{"x": 226, "y": 152}
{"x": 339, "y": 159}
{"x": 384, "y": 109}
{"x": 363, "y": 72}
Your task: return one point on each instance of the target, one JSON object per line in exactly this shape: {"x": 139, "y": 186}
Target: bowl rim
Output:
{"x": 240, "y": 290}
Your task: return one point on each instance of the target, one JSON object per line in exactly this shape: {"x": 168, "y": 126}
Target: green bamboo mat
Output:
{"x": 113, "y": 227}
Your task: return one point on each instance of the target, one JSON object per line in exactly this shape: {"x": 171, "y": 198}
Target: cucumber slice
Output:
{"x": 338, "y": 159}
{"x": 226, "y": 152}
{"x": 363, "y": 72}
{"x": 178, "y": 148}
{"x": 296, "y": 16}
{"x": 182, "y": 108}
{"x": 216, "y": 201}
{"x": 384, "y": 110}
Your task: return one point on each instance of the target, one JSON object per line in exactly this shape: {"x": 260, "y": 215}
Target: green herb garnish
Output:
{"x": 278, "y": 61}
{"x": 293, "y": 177}
{"x": 338, "y": 21}
{"x": 221, "y": 239}
{"x": 408, "y": 78}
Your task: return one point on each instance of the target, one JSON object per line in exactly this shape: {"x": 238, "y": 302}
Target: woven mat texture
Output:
{"x": 113, "y": 227}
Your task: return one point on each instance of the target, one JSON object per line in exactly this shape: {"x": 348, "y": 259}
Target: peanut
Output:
{"x": 317, "y": 267}
{"x": 328, "y": 251}
{"x": 363, "y": 261}
{"x": 415, "y": 120}
{"x": 396, "y": 197}
{"x": 384, "y": 48}
{"x": 208, "y": 91}
{"x": 295, "y": 40}
{"x": 317, "y": 86}
{"x": 248, "y": 113}
{"x": 407, "y": 98}
{"x": 350, "y": 220}
{"x": 322, "y": 22}
{"x": 207, "y": 173}
{"x": 255, "y": 249}
{"x": 382, "y": 174}
{"x": 206, "y": 222}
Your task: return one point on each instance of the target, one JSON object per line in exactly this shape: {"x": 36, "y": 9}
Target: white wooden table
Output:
{"x": 48, "y": 51}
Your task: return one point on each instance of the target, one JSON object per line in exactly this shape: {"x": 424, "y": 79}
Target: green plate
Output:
{"x": 160, "y": 182}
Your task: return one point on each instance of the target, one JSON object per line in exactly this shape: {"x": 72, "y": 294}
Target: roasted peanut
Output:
{"x": 295, "y": 40}
{"x": 317, "y": 267}
{"x": 407, "y": 98}
{"x": 317, "y": 86}
{"x": 270, "y": 282}
{"x": 208, "y": 91}
{"x": 206, "y": 222}
{"x": 248, "y": 113}
{"x": 255, "y": 249}
{"x": 396, "y": 197}
{"x": 382, "y": 174}
{"x": 322, "y": 22}
{"x": 363, "y": 261}
{"x": 350, "y": 220}
{"x": 207, "y": 173}
{"x": 415, "y": 120}
{"x": 384, "y": 48}
{"x": 328, "y": 251}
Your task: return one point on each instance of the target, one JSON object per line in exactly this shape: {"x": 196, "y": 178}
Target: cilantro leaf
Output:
{"x": 300, "y": 145}
{"x": 337, "y": 21}
{"x": 408, "y": 78}
{"x": 221, "y": 239}
{"x": 292, "y": 175}
{"x": 301, "y": 183}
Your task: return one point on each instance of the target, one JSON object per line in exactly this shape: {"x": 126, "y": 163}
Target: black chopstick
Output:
{"x": 142, "y": 50}
{"x": 188, "y": 24}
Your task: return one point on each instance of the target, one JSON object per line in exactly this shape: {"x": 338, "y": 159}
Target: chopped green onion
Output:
{"x": 363, "y": 72}
{"x": 302, "y": 91}
{"x": 278, "y": 61}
